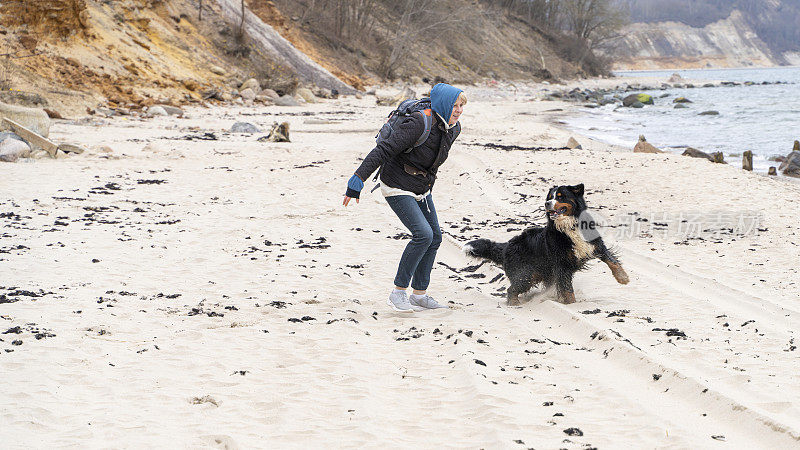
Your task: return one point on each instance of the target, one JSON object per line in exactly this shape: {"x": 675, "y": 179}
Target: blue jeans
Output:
{"x": 426, "y": 235}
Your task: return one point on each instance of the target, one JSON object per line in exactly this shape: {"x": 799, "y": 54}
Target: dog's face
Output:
{"x": 564, "y": 201}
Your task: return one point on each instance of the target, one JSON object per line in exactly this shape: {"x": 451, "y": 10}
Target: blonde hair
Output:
{"x": 463, "y": 97}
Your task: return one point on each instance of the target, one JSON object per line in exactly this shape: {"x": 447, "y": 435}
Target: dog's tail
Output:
{"x": 486, "y": 249}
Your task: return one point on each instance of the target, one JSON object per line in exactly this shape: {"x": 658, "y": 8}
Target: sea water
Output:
{"x": 763, "y": 118}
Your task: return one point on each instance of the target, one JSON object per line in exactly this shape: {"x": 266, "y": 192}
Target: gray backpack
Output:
{"x": 405, "y": 109}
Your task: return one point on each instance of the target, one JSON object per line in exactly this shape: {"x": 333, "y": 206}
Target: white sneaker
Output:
{"x": 425, "y": 302}
{"x": 398, "y": 300}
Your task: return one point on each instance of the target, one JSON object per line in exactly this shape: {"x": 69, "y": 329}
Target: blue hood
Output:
{"x": 443, "y": 97}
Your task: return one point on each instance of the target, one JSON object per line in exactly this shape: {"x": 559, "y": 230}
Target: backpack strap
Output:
{"x": 427, "y": 118}
{"x": 456, "y": 130}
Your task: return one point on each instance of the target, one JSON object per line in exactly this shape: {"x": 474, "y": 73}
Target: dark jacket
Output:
{"x": 425, "y": 159}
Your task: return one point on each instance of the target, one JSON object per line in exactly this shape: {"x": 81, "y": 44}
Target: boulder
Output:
{"x": 248, "y": 94}
{"x": 307, "y": 95}
{"x": 171, "y": 110}
{"x": 395, "y": 99}
{"x": 155, "y": 111}
{"x": 645, "y": 147}
{"x": 71, "y": 148}
{"x": 106, "y": 112}
{"x": 34, "y": 119}
{"x": 244, "y": 127}
{"x": 189, "y": 84}
{"x": 416, "y": 80}
{"x": 680, "y": 106}
{"x": 217, "y": 70}
{"x": 637, "y": 105}
{"x": 286, "y": 100}
{"x": 681, "y": 100}
{"x": 8, "y": 134}
{"x": 251, "y": 84}
{"x": 326, "y": 93}
{"x": 263, "y": 99}
{"x": 269, "y": 93}
{"x": 13, "y": 149}
{"x": 709, "y": 113}
{"x": 695, "y": 153}
{"x": 39, "y": 154}
{"x": 675, "y": 77}
{"x": 791, "y": 167}
{"x": 644, "y": 99}
{"x": 573, "y": 144}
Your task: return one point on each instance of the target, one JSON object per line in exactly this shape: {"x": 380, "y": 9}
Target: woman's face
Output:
{"x": 458, "y": 108}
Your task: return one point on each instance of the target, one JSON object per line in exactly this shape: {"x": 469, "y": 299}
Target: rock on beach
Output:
{"x": 34, "y": 119}
{"x": 645, "y": 147}
{"x": 12, "y": 149}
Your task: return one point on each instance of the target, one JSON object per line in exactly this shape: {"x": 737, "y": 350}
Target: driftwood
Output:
{"x": 278, "y": 133}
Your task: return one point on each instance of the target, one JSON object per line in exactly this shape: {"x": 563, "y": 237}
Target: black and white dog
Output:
{"x": 550, "y": 255}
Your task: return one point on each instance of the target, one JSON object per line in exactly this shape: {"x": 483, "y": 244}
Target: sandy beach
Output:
{"x": 188, "y": 290}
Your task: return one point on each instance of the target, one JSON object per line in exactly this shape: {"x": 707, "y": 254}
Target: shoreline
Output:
{"x": 556, "y": 120}
{"x": 706, "y": 69}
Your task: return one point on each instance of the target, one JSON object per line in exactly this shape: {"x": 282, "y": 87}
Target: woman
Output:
{"x": 406, "y": 181}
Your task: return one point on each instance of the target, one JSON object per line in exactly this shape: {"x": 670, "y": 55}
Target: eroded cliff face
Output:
{"x": 726, "y": 43}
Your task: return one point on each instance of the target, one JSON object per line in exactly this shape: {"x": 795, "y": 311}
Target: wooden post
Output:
{"x": 200, "y": 10}
{"x": 747, "y": 160}
{"x": 796, "y": 145}
{"x": 772, "y": 171}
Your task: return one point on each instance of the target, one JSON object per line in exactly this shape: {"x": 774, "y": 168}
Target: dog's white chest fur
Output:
{"x": 569, "y": 226}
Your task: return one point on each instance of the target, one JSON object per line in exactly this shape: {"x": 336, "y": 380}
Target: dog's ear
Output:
{"x": 577, "y": 189}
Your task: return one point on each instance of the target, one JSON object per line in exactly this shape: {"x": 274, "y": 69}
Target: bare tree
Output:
{"x": 594, "y": 21}
{"x": 418, "y": 20}
{"x": 240, "y": 33}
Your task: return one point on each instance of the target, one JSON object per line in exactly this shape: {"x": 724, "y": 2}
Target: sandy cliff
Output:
{"x": 726, "y": 43}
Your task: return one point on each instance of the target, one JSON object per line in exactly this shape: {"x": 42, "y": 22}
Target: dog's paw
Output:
{"x": 567, "y": 298}
{"x": 621, "y": 276}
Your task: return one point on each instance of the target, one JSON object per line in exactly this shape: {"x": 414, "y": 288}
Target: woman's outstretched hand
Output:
{"x": 354, "y": 187}
{"x": 347, "y": 200}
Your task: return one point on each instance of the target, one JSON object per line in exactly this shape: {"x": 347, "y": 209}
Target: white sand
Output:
{"x": 129, "y": 367}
